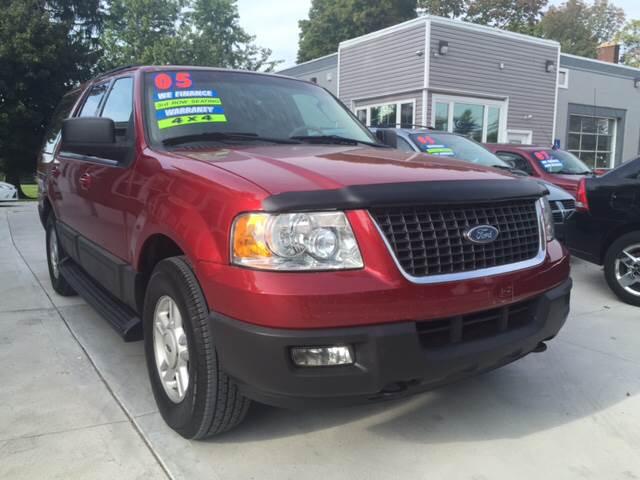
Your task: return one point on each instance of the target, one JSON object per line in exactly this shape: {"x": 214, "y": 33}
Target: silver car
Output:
{"x": 8, "y": 192}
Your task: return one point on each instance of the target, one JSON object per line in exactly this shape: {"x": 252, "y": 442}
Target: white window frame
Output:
{"x": 528, "y": 133}
{"x": 397, "y": 103}
{"x": 565, "y": 84}
{"x": 503, "y": 105}
{"x": 614, "y": 138}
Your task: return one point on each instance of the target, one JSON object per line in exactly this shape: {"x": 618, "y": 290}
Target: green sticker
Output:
{"x": 190, "y": 120}
{"x": 440, "y": 151}
{"x": 186, "y": 102}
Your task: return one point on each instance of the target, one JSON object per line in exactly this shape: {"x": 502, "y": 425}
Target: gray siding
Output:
{"x": 324, "y": 70}
{"x": 383, "y": 65}
{"x": 416, "y": 95}
{"x": 602, "y": 88}
{"x": 472, "y": 65}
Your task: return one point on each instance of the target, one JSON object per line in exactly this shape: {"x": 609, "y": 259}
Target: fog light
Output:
{"x": 322, "y": 356}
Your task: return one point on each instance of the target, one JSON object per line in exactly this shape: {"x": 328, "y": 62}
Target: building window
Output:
{"x": 481, "y": 120}
{"x": 398, "y": 114}
{"x": 563, "y": 78}
{"x": 592, "y": 139}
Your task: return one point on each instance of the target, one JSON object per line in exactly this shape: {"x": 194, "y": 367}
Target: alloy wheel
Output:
{"x": 627, "y": 269}
{"x": 171, "y": 349}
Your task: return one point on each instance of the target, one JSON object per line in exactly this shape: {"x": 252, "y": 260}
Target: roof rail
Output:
{"x": 115, "y": 70}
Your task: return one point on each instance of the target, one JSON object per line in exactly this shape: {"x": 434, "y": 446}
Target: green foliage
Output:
{"x": 629, "y": 37}
{"x": 43, "y": 51}
{"x": 580, "y": 27}
{"x": 184, "y": 32}
{"x": 443, "y": 8}
{"x": 332, "y": 21}
{"x": 514, "y": 15}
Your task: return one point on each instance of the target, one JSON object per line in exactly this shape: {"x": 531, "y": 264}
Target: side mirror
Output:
{"x": 388, "y": 136}
{"x": 92, "y": 137}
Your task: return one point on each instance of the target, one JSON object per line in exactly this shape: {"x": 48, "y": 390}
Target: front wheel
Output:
{"x": 622, "y": 268}
{"x": 194, "y": 396}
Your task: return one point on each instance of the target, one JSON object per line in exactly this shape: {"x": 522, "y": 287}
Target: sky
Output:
{"x": 275, "y": 23}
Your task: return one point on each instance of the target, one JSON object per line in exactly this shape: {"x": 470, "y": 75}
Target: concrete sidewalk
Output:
{"x": 75, "y": 401}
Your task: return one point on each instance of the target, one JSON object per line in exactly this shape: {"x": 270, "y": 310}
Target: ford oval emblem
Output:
{"x": 482, "y": 234}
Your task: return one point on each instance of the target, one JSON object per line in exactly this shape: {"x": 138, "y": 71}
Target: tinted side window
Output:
{"x": 119, "y": 104}
{"x": 62, "y": 111}
{"x": 516, "y": 160}
{"x": 91, "y": 104}
{"x": 404, "y": 145}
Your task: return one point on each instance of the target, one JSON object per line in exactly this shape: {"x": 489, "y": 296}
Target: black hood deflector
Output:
{"x": 443, "y": 192}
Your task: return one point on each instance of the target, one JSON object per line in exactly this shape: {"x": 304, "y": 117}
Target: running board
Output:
{"x": 122, "y": 318}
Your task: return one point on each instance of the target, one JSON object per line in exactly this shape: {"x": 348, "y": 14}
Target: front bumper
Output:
{"x": 391, "y": 361}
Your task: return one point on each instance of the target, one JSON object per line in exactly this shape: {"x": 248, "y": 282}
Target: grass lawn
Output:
{"x": 30, "y": 189}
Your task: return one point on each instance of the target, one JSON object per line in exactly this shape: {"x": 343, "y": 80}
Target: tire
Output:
{"x": 206, "y": 401}
{"x": 55, "y": 254}
{"x": 617, "y": 265}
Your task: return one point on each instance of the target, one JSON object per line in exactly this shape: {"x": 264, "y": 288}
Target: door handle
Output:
{"x": 86, "y": 181}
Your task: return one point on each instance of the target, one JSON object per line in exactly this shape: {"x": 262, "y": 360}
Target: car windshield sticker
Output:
{"x": 428, "y": 145}
{"x": 177, "y": 103}
{"x": 549, "y": 163}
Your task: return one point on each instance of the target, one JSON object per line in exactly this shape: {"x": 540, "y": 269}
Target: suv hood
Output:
{"x": 287, "y": 168}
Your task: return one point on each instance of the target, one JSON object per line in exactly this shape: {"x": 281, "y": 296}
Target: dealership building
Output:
{"x": 490, "y": 84}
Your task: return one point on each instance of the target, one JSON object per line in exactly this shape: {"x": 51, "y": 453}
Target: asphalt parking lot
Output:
{"x": 75, "y": 401}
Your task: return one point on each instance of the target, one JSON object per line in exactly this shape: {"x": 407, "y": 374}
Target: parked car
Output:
{"x": 8, "y": 192}
{"x": 556, "y": 166}
{"x": 448, "y": 144}
{"x": 605, "y": 229}
{"x": 267, "y": 247}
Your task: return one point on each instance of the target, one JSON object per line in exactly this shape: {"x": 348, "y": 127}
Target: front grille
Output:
{"x": 430, "y": 240}
{"x": 435, "y": 334}
{"x": 561, "y": 209}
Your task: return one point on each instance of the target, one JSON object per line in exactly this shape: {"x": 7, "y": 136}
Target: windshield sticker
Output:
{"x": 426, "y": 140}
{"x": 178, "y": 104}
{"x": 549, "y": 163}
{"x": 439, "y": 150}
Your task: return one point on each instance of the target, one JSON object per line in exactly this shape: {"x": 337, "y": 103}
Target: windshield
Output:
{"x": 462, "y": 148}
{"x": 559, "y": 161}
{"x": 214, "y": 106}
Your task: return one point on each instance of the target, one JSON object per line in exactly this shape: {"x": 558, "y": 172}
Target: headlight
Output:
{"x": 547, "y": 219}
{"x": 294, "y": 241}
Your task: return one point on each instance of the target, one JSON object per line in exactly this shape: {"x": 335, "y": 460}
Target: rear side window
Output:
{"x": 62, "y": 111}
{"x": 518, "y": 161}
{"x": 91, "y": 104}
{"x": 119, "y": 104}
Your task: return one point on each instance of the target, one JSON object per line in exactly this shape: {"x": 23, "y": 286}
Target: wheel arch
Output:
{"x": 614, "y": 235}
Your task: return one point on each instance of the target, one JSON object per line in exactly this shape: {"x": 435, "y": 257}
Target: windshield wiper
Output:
{"x": 336, "y": 140}
{"x": 223, "y": 136}
{"x": 565, "y": 172}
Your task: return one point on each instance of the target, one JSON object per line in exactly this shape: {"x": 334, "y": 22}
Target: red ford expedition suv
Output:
{"x": 268, "y": 248}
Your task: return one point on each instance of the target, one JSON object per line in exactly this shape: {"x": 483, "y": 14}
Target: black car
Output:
{"x": 605, "y": 229}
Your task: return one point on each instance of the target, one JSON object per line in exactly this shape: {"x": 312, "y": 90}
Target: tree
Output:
{"x": 443, "y": 8}
{"x": 332, "y": 21}
{"x": 514, "y": 15}
{"x": 44, "y": 50}
{"x": 629, "y": 37}
{"x": 186, "y": 32}
{"x": 579, "y": 27}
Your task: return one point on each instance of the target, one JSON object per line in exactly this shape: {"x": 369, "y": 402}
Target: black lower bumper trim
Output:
{"x": 390, "y": 360}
